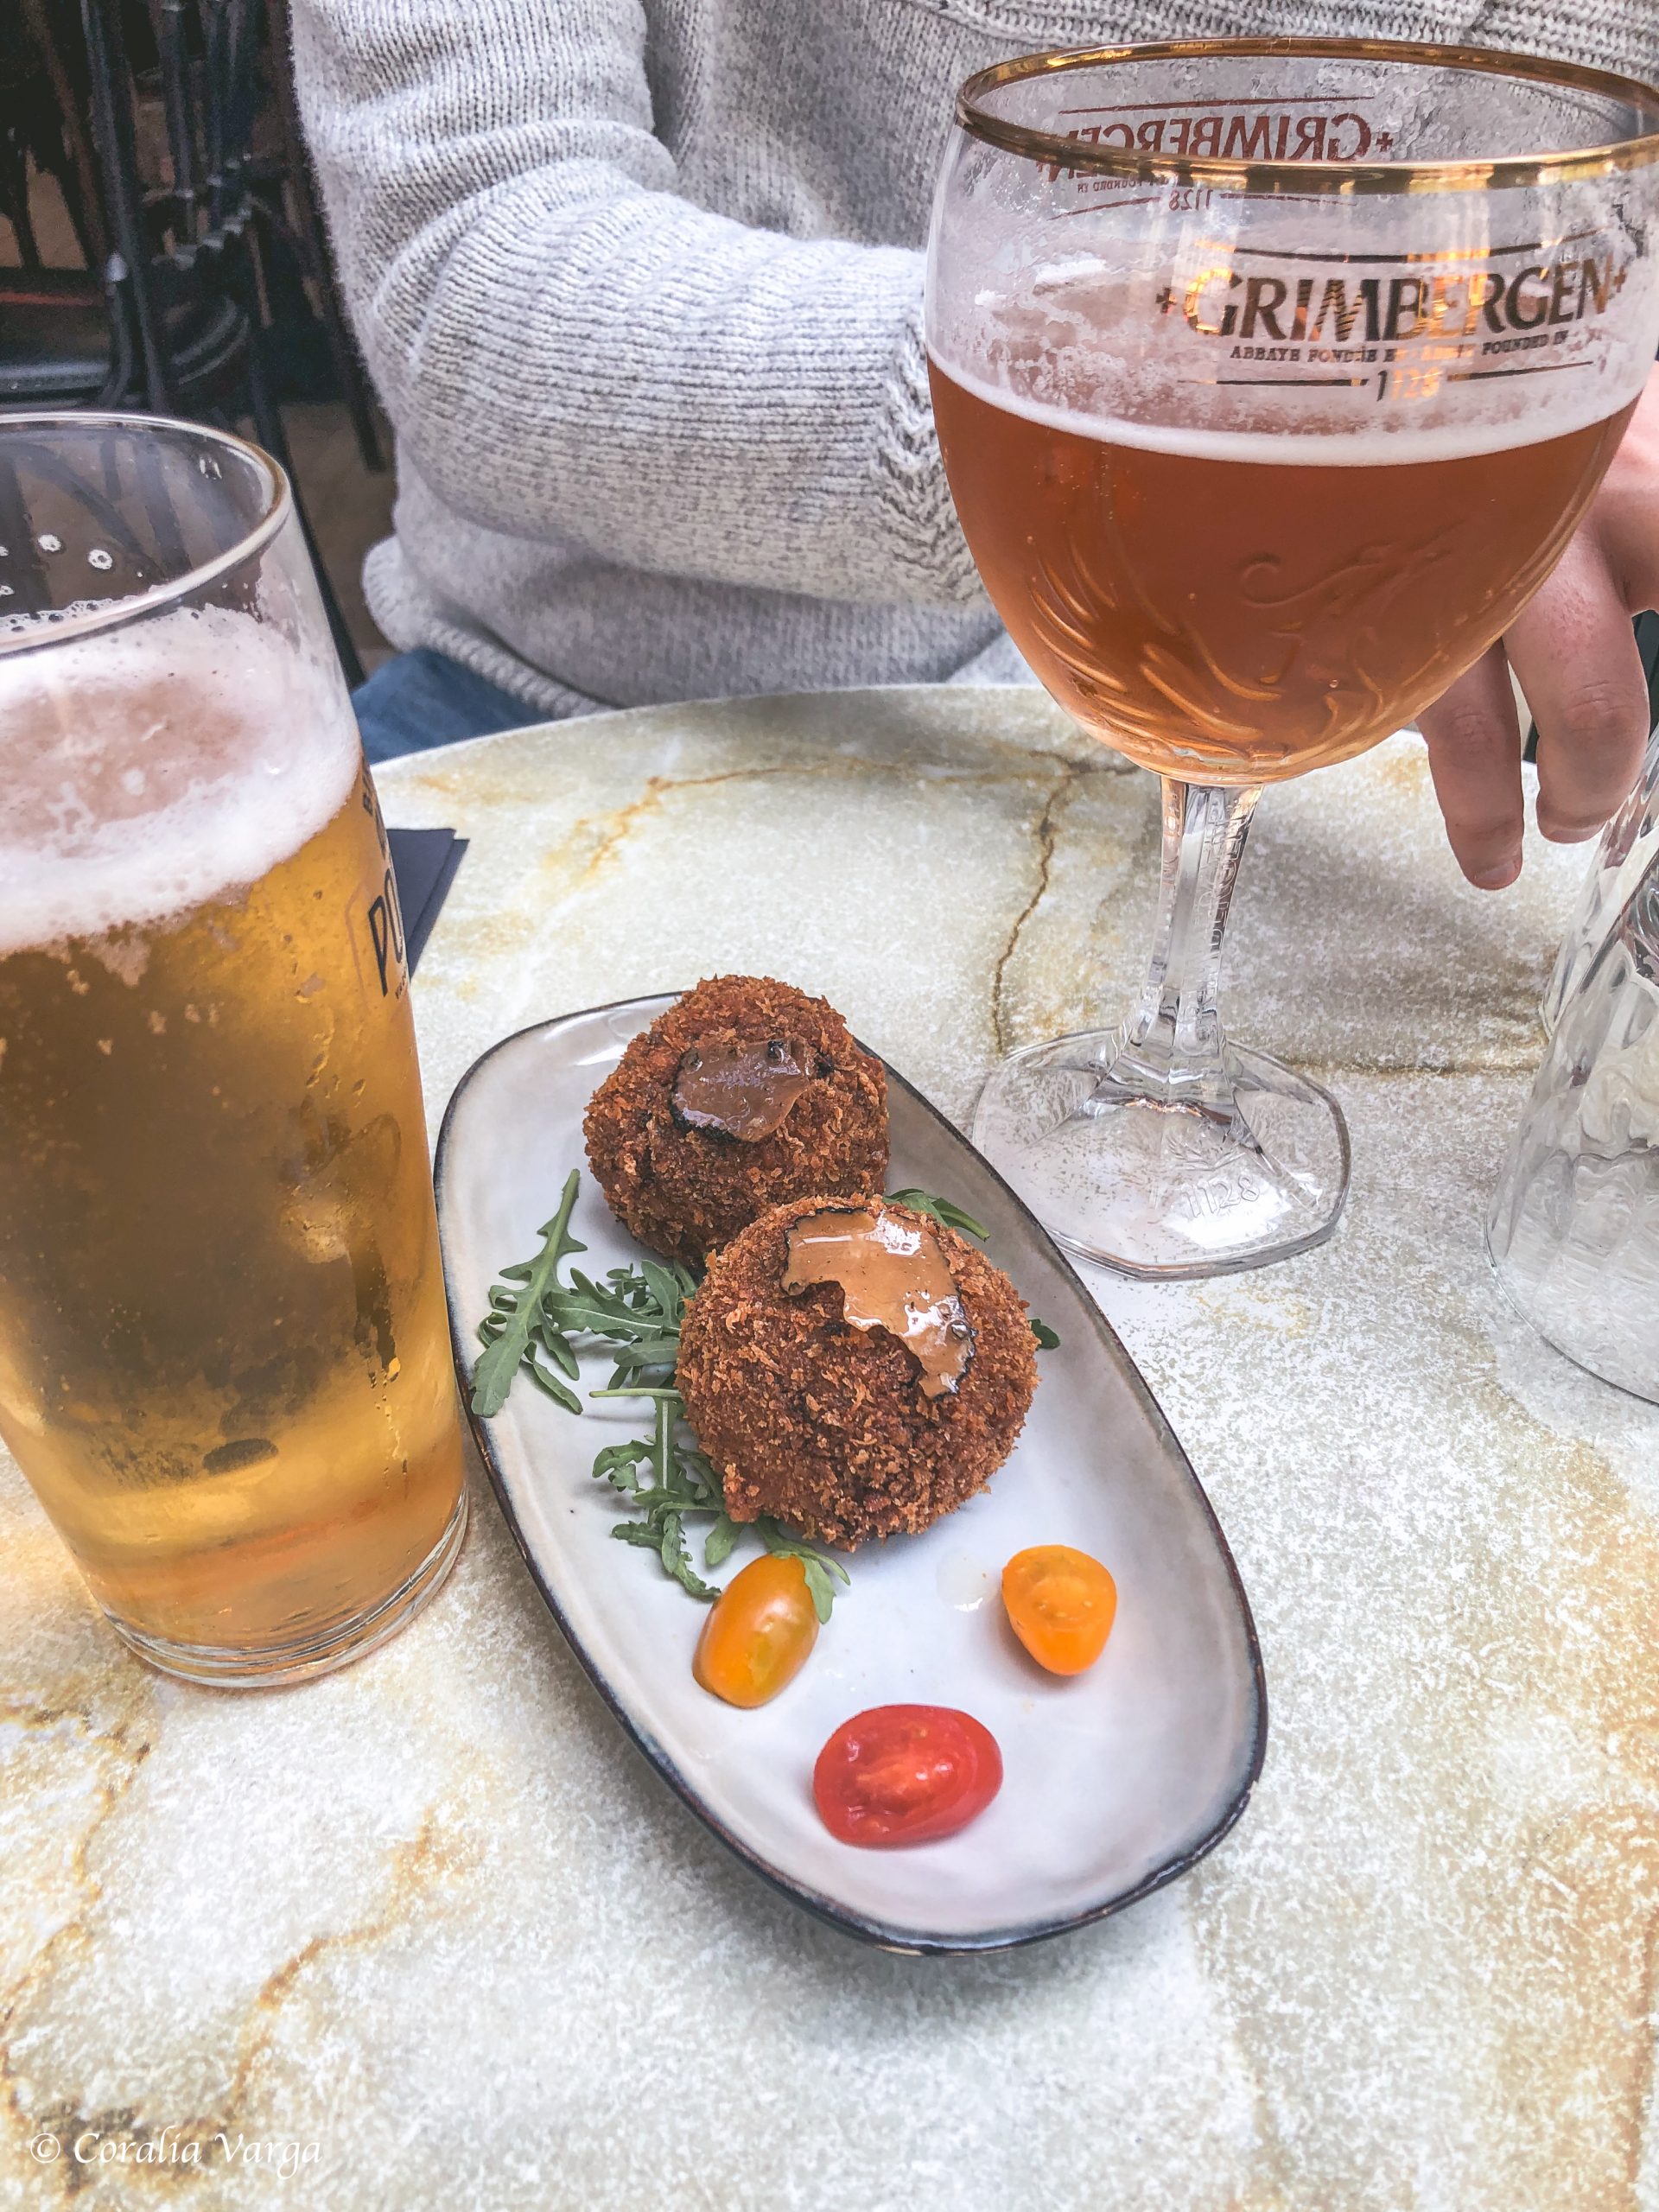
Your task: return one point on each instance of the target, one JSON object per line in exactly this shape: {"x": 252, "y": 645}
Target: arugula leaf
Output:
{"x": 546, "y": 1379}
{"x": 516, "y": 1318}
{"x": 534, "y": 1315}
{"x": 664, "y": 1539}
{"x": 682, "y": 1481}
{"x": 818, "y": 1565}
{"x": 637, "y": 1310}
{"x": 721, "y": 1542}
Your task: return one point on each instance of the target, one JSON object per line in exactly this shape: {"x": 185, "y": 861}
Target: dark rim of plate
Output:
{"x": 463, "y": 1338}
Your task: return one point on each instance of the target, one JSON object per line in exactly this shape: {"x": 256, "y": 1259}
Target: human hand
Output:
{"x": 1572, "y": 649}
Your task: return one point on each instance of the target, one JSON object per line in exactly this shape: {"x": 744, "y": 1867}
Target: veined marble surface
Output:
{"x": 428, "y": 1933}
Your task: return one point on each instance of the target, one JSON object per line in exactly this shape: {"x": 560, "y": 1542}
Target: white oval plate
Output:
{"x": 1115, "y": 1781}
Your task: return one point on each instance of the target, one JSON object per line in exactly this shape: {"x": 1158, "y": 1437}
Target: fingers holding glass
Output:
{"x": 1473, "y": 734}
{"x": 1573, "y": 650}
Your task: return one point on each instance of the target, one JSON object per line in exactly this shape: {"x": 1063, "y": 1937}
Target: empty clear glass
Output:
{"x": 1574, "y": 1227}
{"x": 1629, "y": 843}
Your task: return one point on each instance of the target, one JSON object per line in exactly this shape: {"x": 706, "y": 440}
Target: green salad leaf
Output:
{"x": 520, "y": 1329}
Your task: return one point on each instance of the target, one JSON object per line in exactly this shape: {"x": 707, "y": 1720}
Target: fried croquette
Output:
{"x": 827, "y": 1425}
{"x": 744, "y": 1094}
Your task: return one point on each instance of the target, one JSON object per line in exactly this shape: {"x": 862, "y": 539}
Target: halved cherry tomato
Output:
{"x": 906, "y": 1774}
{"x": 759, "y": 1632}
{"x": 1061, "y": 1604}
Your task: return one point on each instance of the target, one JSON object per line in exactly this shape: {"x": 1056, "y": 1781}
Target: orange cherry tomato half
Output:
{"x": 906, "y": 1774}
{"x": 759, "y": 1632}
{"x": 1061, "y": 1604}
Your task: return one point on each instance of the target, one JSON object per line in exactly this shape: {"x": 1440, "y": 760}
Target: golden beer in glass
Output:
{"x": 225, "y": 1362}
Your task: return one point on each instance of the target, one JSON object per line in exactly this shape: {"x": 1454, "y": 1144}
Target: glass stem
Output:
{"x": 1174, "y": 1031}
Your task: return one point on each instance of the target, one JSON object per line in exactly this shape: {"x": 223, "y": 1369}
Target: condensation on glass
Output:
{"x": 223, "y": 1351}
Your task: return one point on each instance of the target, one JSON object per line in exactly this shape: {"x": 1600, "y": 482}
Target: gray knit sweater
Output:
{"x": 639, "y": 284}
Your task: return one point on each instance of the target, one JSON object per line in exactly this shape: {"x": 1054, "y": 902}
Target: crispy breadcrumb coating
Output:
{"x": 824, "y": 1425}
{"x": 685, "y": 1191}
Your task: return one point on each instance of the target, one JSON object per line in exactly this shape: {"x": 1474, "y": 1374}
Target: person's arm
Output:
{"x": 564, "y": 344}
{"x": 1572, "y": 649}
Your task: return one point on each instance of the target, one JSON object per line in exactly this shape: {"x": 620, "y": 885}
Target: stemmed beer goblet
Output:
{"x": 1272, "y": 377}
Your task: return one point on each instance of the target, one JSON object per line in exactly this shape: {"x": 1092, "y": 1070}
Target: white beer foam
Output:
{"x": 1309, "y": 444}
{"x": 147, "y": 770}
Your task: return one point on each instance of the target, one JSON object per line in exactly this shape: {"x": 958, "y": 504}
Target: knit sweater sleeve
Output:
{"x": 565, "y": 344}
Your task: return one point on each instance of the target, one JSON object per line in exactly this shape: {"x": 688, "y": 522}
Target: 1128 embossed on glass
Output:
{"x": 1271, "y": 379}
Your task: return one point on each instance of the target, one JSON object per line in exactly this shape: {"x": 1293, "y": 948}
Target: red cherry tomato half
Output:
{"x": 906, "y": 1774}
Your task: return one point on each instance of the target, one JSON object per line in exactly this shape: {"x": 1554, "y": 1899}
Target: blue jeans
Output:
{"x": 424, "y": 698}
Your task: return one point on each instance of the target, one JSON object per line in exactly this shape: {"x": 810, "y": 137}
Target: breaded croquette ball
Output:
{"x": 854, "y": 1368}
{"x": 744, "y": 1094}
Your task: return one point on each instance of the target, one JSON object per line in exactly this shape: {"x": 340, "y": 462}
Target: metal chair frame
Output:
{"x": 196, "y": 238}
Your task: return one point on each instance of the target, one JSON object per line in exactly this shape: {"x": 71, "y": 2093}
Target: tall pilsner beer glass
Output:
{"x": 1271, "y": 377}
{"x": 223, "y": 1358}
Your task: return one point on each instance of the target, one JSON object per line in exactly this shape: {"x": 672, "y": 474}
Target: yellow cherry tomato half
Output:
{"x": 1061, "y": 1605}
{"x": 759, "y": 1632}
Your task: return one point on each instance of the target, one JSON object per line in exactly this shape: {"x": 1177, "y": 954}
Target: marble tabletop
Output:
{"x": 430, "y": 1934}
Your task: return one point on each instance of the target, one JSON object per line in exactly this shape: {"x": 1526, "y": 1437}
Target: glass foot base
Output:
{"x": 1244, "y": 1163}
{"x": 269, "y": 1666}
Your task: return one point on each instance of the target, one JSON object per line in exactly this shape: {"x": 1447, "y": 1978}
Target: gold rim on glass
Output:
{"x": 279, "y": 499}
{"x": 1307, "y": 178}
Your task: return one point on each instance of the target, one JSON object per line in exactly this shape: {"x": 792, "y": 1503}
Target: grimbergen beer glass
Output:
{"x": 1271, "y": 378}
{"x": 225, "y": 1362}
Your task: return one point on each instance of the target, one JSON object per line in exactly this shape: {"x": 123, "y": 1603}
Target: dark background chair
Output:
{"x": 205, "y": 287}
